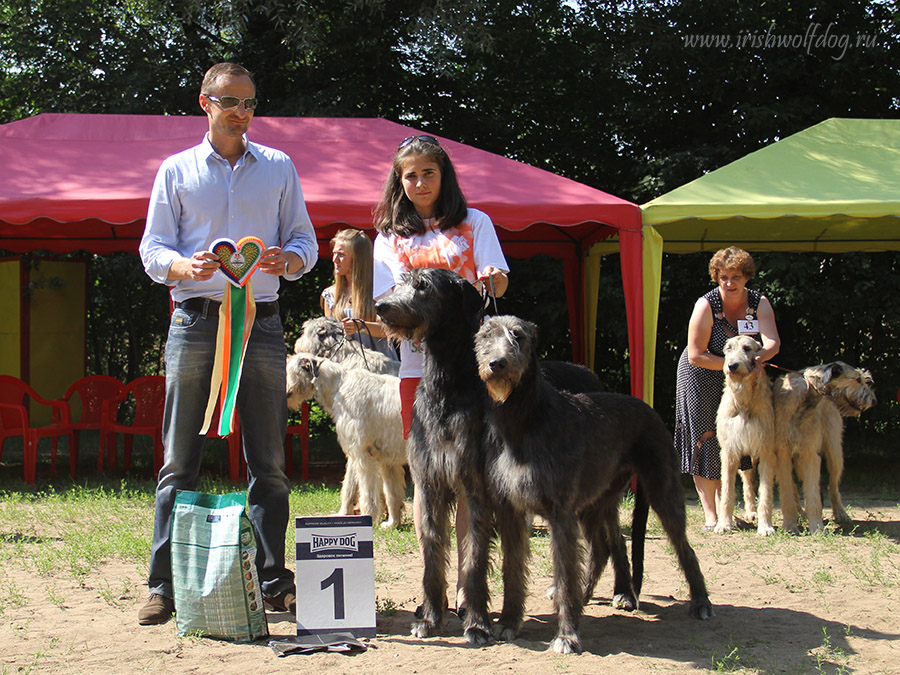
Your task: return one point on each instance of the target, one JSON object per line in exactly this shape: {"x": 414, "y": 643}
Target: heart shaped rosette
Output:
{"x": 238, "y": 260}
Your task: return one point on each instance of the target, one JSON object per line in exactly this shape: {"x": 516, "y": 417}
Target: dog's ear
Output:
{"x": 472, "y": 301}
{"x": 308, "y": 365}
{"x": 831, "y": 371}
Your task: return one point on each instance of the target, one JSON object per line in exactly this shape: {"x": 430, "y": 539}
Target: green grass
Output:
{"x": 69, "y": 526}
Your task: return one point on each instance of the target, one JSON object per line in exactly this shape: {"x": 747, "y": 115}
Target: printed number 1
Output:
{"x": 336, "y": 579}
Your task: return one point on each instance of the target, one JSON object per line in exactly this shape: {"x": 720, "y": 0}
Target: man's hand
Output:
{"x": 199, "y": 267}
{"x": 278, "y": 263}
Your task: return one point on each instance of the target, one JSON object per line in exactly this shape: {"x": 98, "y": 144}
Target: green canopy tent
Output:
{"x": 834, "y": 187}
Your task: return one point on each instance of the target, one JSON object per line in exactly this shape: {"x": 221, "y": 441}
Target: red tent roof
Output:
{"x": 94, "y": 172}
{"x": 70, "y": 182}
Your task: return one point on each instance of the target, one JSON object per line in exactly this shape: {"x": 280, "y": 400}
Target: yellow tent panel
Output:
{"x": 834, "y": 187}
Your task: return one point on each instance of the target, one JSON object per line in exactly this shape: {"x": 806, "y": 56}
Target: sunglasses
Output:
{"x": 425, "y": 138}
{"x": 232, "y": 102}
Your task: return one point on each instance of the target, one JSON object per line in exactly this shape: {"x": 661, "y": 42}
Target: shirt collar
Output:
{"x": 209, "y": 151}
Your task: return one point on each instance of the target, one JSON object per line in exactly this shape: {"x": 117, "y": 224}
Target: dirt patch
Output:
{"x": 783, "y": 605}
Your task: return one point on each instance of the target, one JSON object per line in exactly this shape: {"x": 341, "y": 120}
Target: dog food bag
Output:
{"x": 214, "y": 575}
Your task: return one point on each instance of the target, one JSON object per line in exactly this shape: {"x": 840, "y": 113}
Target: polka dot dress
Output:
{"x": 698, "y": 392}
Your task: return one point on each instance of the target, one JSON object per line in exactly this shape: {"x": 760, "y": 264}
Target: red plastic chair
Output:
{"x": 149, "y": 394}
{"x": 92, "y": 391}
{"x": 14, "y": 421}
{"x": 301, "y": 430}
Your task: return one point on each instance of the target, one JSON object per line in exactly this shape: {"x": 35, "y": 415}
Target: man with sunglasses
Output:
{"x": 228, "y": 187}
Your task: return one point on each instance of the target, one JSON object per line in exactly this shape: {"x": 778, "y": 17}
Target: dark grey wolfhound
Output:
{"x": 567, "y": 457}
{"x": 446, "y": 453}
{"x": 445, "y": 444}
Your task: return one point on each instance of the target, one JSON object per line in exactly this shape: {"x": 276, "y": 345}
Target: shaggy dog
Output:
{"x": 745, "y": 425}
{"x": 365, "y": 408}
{"x": 324, "y": 336}
{"x": 809, "y": 407}
{"x": 567, "y": 457}
{"x": 446, "y": 453}
{"x": 445, "y": 443}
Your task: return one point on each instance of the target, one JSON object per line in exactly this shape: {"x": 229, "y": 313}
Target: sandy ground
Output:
{"x": 791, "y": 605}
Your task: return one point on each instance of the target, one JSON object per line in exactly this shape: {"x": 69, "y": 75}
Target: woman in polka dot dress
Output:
{"x": 727, "y": 310}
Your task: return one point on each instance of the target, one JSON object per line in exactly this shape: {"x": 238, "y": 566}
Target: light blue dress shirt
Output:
{"x": 198, "y": 197}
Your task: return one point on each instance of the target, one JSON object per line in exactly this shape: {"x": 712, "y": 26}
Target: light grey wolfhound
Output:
{"x": 365, "y": 408}
{"x": 745, "y": 425}
{"x": 809, "y": 407}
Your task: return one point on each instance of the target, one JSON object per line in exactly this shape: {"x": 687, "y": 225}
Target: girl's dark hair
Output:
{"x": 395, "y": 214}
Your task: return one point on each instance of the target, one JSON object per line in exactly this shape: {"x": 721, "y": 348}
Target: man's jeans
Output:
{"x": 262, "y": 408}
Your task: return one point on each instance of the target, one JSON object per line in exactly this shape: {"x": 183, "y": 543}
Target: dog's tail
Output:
{"x": 638, "y": 536}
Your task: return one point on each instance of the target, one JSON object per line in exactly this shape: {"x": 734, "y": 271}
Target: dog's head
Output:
{"x": 505, "y": 349}
{"x": 302, "y": 370}
{"x": 319, "y": 336}
{"x": 740, "y": 356}
{"x": 851, "y": 389}
{"x": 428, "y": 302}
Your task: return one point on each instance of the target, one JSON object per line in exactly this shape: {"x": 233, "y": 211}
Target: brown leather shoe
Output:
{"x": 285, "y": 601}
{"x": 158, "y": 609}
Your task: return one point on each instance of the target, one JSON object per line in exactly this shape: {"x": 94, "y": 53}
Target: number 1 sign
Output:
{"x": 335, "y": 576}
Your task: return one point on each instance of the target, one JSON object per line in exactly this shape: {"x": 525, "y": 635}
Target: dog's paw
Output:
{"x": 724, "y": 526}
{"x": 816, "y": 526}
{"x": 764, "y": 530}
{"x": 701, "y": 608}
{"x": 625, "y": 601}
{"x": 504, "y": 632}
{"x": 478, "y": 636}
{"x": 423, "y": 629}
{"x": 388, "y": 524}
{"x": 841, "y": 518}
{"x": 566, "y": 644}
{"x": 792, "y": 528}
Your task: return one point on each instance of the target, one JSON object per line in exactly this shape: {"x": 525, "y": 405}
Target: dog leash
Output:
{"x": 360, "y": 347}
{"x": 787, "y": 370}
{"x": 488, "y": 295}
{"x": 795, "y": 372}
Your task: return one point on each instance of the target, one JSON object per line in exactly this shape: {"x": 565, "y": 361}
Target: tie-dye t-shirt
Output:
{"x": 466, "y": 249}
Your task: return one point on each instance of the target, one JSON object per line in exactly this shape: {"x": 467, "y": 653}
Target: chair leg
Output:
{"x": 101, "y": 452}
{"x": 30, "y": 441}
{"x": 126, "y": 452}
{"x": 112, "y": 451}
{"x": 304, "y": 441}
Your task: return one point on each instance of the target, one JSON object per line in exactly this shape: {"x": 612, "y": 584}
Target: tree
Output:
{"x": 633, "y": 98}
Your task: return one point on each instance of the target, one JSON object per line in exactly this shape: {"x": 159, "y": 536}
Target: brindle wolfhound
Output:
{"x": 567, "y": 457}
{"x": 809, "y": 407}
{"x": 446, "y": 436}
{"x": 745, "y": 425}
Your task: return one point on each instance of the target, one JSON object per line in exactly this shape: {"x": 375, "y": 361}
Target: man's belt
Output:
{"x": 211, "y": 307}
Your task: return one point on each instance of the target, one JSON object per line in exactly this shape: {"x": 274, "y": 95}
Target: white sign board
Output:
{"x": 335, "y": 576}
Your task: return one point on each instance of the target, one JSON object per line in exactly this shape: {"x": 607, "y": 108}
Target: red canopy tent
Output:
{"x": 81, "y": 182}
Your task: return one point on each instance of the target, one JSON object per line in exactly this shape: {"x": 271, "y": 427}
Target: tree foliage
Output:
{"x": 622, "y": 96}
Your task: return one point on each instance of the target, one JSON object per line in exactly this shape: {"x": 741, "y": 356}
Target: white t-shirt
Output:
{"x": 466, "y": 249}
